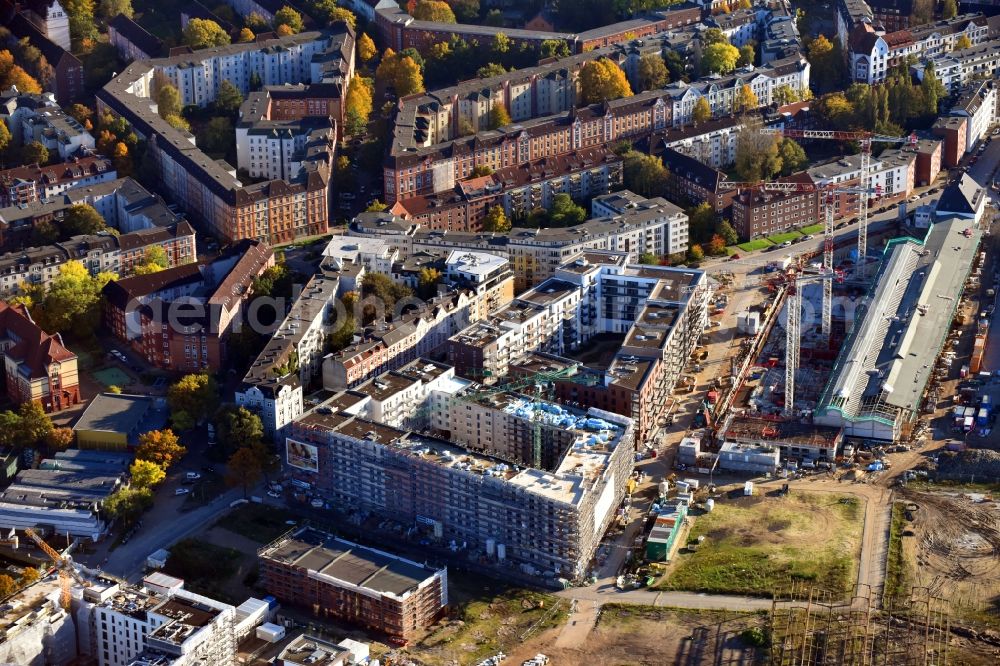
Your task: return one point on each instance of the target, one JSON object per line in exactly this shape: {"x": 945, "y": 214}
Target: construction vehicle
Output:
{"x": 63, "y": 564}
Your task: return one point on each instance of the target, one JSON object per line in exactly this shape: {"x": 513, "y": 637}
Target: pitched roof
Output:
{"x": 33, "y": 348}
{"x": 962, "y": 196}
{"x": 145, "y": 41}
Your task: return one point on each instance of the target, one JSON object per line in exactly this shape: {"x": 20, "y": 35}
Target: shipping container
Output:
{"x": 968, "y": 424}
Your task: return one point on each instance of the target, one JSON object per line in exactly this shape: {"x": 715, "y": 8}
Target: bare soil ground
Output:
{"x": 954, "y": 551}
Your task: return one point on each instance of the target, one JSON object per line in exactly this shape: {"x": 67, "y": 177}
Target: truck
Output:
{"x": 956, "y": 445}
{"x": 983, "y": 417}
{"x": 968, "y": 424}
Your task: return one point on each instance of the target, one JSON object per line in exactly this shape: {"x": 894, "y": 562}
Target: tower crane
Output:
{"x": 64, "y": 565}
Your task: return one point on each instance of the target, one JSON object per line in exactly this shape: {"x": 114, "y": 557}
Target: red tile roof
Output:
{"x": 33, "y": 348}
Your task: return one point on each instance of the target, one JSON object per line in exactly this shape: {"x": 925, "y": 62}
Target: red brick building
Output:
{"x": 37, "y": 366}
{"x": 952, "y": 130}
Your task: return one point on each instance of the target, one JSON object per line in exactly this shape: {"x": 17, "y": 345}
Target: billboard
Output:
{"x": 303, "y": 456}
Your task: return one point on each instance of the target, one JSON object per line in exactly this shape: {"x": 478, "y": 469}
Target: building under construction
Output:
{"x": 339, "y": 579}
{"x": 506, "y": 477}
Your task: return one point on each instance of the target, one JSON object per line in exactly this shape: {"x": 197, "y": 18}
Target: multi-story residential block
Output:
{"x": 30, "y": 183}
{"x": 758, "y": 213}
{"x": 123, "y": 203}
{"x": 380, "y": 591}
{"x": 274, "y": 211}
{"x": 954, "y": 133}
{"x": 977, "y": 102}
{"x": 545, "y": 514}
{"x": 37, "y": 266}
{"x": 873, "y": 52}
{"x": 276, "y": 150}
{"x": 929, "y": 158}
{"x": 60, "y": 133}
{"x": 37, "y": 366}
{"x": 713, "y": 142}
{"x": 132, "y": 40}
{"x": 692, "y": 181}
{"x": 50, "y": 18}
{"x": 958, "y": 68}
{"x": 273, "y": 386}
{"x": 738, "y": 26}
{"x": 180, "y": 318}
{"x": 892, "y": 173}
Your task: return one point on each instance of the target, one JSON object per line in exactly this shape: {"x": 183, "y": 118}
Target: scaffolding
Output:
{"x": 809, "y": 628}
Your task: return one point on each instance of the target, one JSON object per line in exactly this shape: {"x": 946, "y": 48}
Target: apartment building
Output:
{"x": 274, "y": 211}
{"x": 958, "y": 68}
{"x": 37, "y": 366}
{"x": 180, "y": 318}
{"x": 546, "y": 521}
{"x": 45, "y": 26}
{"x": 954, "y": 134}
{"x": 712, "y": 143}
{"x": 132, "y": 41}
{"x": 872, "y": 52}
{"x": 691, "y": 181}
{"x": 929, "y": 159}
{"x": 892, "y": 174}
{"x": 978, "y": 103}
{"x": 60, "y": 133}
{"x": 371, "y": 588}
{"x": 273, "y": 386}
{"x": 31, "y": 183}
{"x": 758, "y": 213}
{"x": 276, "y": 149}
{"x": 98, "y": 253}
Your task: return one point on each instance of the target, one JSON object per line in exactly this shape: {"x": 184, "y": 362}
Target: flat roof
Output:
{"x": 110, "y": 412}
{"x": 754, "y": 429}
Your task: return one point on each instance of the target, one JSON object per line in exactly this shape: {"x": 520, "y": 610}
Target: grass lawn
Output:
{"x": 754, "y": 545}
{"x": 812, "y": 229}
{"x": 756, "y": 244}
{"x": 204, "y": 566}
{"x": 896, "y": 576}
{"x": 490, "y": 618}
{"x": 112, "y": 376}
{"x": 257, "y": 522}
{"x": 787, "y": 236}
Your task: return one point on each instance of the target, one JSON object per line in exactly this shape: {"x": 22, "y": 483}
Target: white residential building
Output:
{"x": 59, "y": 132}
{"x": 978, "y": 103}
{"x": 958, "y": 68}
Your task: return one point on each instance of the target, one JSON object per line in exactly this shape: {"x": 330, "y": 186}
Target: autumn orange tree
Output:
{"x": 12, "y": 74}
{"x": 400, "y": 72}
{"x": 160, "y": 447}
{"x": 602, "y": 80}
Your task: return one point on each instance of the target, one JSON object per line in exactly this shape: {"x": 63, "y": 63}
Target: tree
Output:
{"x": 501, "y": 44}
{"x": 16, "y": 76}
{"x": 81, "y": 19}
{"x": 433, "y": 10}
{"x": 701, "y": 221}
{"x": 34, "y": 153}
{"x": 243, "y": 469}
{"x": 757, "y": 155}
{"x": 160, "y": 447}
{"x": 44, "y": 233}
{"x": 714, "y": 36}
{"x": 288, "y": 16}
{"x": 256, "y": 22}
{"x": 785, "y": 94}
{"x": 168, "y": 100}
{"x": 427, "y": 282}
{"x": 746, "y": 100}
{"x": 246, "y": 36}
{"x": 359, "y": 104}
{"x": 836, "y": 109}
{"x": 695, "y": 253}
{"x": 962, "y": 42}
{"x": 146, "y": 474}
{"x": 178, "y": 122}
{"x": 481, "y": 170}
{"x": 238, "y": 426}
{"x": 116, "y": 390}
{"x": 29, "y": 575}
{"x": 204, "y": 33}
{"x": 553, "y": 48}
{"x": 719, "y": 58}
{"x": 112, "y": 8}
{"x": 602, "y": 80}
{"x": 216, "y": 136}
{"x": 5, "y": 137}
{"x": 59, "y": 439}
{"x": 330, "y": 13}
{"x": 648, "y": 258}
{"x": 702, "y": 111}
{"x": 564, "y": 212}
{"x": 376, "y": 206}
{"x": 82, "y": 219}
{"x": 408, "y": 79}
{"x": 499, "y": 116}
{"x": 366, "y": 48}
{"x": 71, "y": 303}
{"x": 949, "y": 9}
{"x": 127, "y": 503}
{"x": 466, "y": 11}
{"x": 8, "y": 586}
{"x": 33, "y": 425}
{"x": 827, "y": 62}
{"x": 496, "y": 221}
{"x": 727, "y": 232}
{"x": 9, "y": 428}
{"x": 933, "y": 90}
{"x": 229, "y": 98}
{"x": 793, "y": 157}
{"x": 717, "y": 245}
{"x": 645, "y": 174}
{"x": 195, "y": 394}
{"x": 490, "y": 69}
{"x": 652, "y": 72}
{"x": 154, "y": 260}
{"x": 747, "y": 55}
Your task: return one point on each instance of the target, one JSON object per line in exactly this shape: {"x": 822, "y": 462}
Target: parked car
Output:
{"x": 271, "y": 493}
{"x": 182, "y": 491}
{"x": 734, "y": 257}
{"x": 192, "y": 476}
{"x": 316, "y": 503}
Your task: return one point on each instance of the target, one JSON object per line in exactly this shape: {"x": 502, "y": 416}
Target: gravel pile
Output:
{"x": 982, "y": 464}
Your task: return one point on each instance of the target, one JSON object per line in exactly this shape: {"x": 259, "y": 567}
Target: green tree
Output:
{"x": 785, "y": 94}
{"x": 428, "y": 280}
{"x": 160, "y": 447}
{"x": 933, "y": 90}
{"x": 652, "y": 72}
{"x": 499, "y": 116}
{"x": 256, "y": 22}
{"x": 702, "y": 111}
{"x": 146, "y": 474}
{"x": 701, "y": 221}
{"x": 490, "y": 69}
{"x": 949, "y": 9}
{"x": 564, "y": 212}
{"x": 34, "y": 152}
{"x": 648, "y": 258}
{"x": 246, "y": 36}
{"x": 229, "y": 98}
{"x": 695, "y": 253}
{"x": 154, "y": 260}
{"x": 553, "y": 48}
{"x": 288, "y": 16}
{"x": 216, "y": 136}
{"x": 81, "y": 19}
{"x": 466, "y": 11}
{"x": 82, "y": 219}
{"x": 127, "y": 504}
{"x": 719, "y": 58}
{"x": 168, "y": 100}
{"x": 493, "y": 18}
{"x": 793, "y": 157}
{"x": 757, "y": 155}
{"x": 366, "y": 48}
{"x": 727, "y": 232}
{"x": 204, "y": 33}
{"x": 71, "y": 302}
{"x": 827, "y": 62}
{"x": 195, "y": 394}
{"x": 5, "y": 137}
{"x": 383, "y": 287}
{"x": 645, "y": 174}
{"x": 243, "y": 469}
{"x": 747, "y": 55}
{"x": 238, "y": 426}
{"x": 433, "y": 10}
{"x": 496, "y": 221}
{"x": 676, "y": 65}
{"x": 9, "y": 428}
{"x": 33, "y": 424}
{"x": 713, "y": 36}
{"x": 602, "y": 80}
{"x": 343, "y": 336}
{"x": 112, "y": 8}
